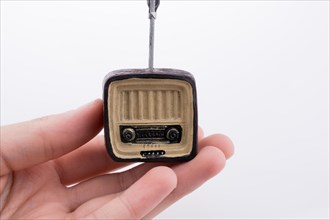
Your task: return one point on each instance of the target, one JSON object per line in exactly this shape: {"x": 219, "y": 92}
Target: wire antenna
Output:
{"x": 153, "y": 5}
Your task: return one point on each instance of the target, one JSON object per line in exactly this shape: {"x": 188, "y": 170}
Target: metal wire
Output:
{"x": 153, "y": 5}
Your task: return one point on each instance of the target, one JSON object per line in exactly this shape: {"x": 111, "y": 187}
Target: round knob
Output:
{"x": 128, "y": 134}
{"x": 172, "y": 134}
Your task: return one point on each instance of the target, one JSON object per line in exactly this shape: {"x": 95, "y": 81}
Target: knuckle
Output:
{"x": 132, "y": 212}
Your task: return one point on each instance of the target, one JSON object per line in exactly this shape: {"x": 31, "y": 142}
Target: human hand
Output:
{"x": 55, "y": 168}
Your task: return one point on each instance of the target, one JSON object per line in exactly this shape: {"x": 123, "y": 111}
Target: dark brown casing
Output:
{"x": 150, "y": 115}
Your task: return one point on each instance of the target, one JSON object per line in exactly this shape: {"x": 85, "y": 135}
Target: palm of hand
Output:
{"x": 35, "y": 193}
{"x": 37, "y": 170}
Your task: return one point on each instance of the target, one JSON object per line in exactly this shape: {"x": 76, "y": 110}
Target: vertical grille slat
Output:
{"x": 176, "y": 104}
{"x": 169, "y": 104}
{"x": 142, "y": 103}
{"x": 160, "y": 105}
{"x": 179, "y": 105}
{"x": 151, "y": 105}
{"x": 133, "y": 105}
{"x": 125, "y": 105}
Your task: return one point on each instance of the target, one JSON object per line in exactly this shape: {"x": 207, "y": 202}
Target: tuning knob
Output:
{"x": 172, "y": 134}
{"x": 129, "y": 134}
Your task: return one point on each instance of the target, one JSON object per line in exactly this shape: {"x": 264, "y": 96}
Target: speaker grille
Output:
{"x": 155, "y": 105}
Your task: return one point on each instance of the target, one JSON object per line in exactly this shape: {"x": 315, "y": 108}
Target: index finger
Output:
{"x": 29, "y": 143}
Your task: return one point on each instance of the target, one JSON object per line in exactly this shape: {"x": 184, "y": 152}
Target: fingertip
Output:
{"x": 90, "y": 113}
{"x": 216, "y": 160}
{"x": 164, "y": 176}
{"x": 220, "y": 141}
{"x": 200, "y": 133}
{"x": 93, "y": 112}
{"x": 97, "y": 103}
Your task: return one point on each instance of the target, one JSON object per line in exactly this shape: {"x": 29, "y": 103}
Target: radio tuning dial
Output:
{"x": 172, "y": 134}
{"x": 129, "y": 134}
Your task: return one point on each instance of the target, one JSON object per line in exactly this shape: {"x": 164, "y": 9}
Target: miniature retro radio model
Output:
{"x": 150, "y": 114}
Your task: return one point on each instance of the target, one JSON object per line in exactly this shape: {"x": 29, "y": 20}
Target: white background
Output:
{"x": 262, "y": 69}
